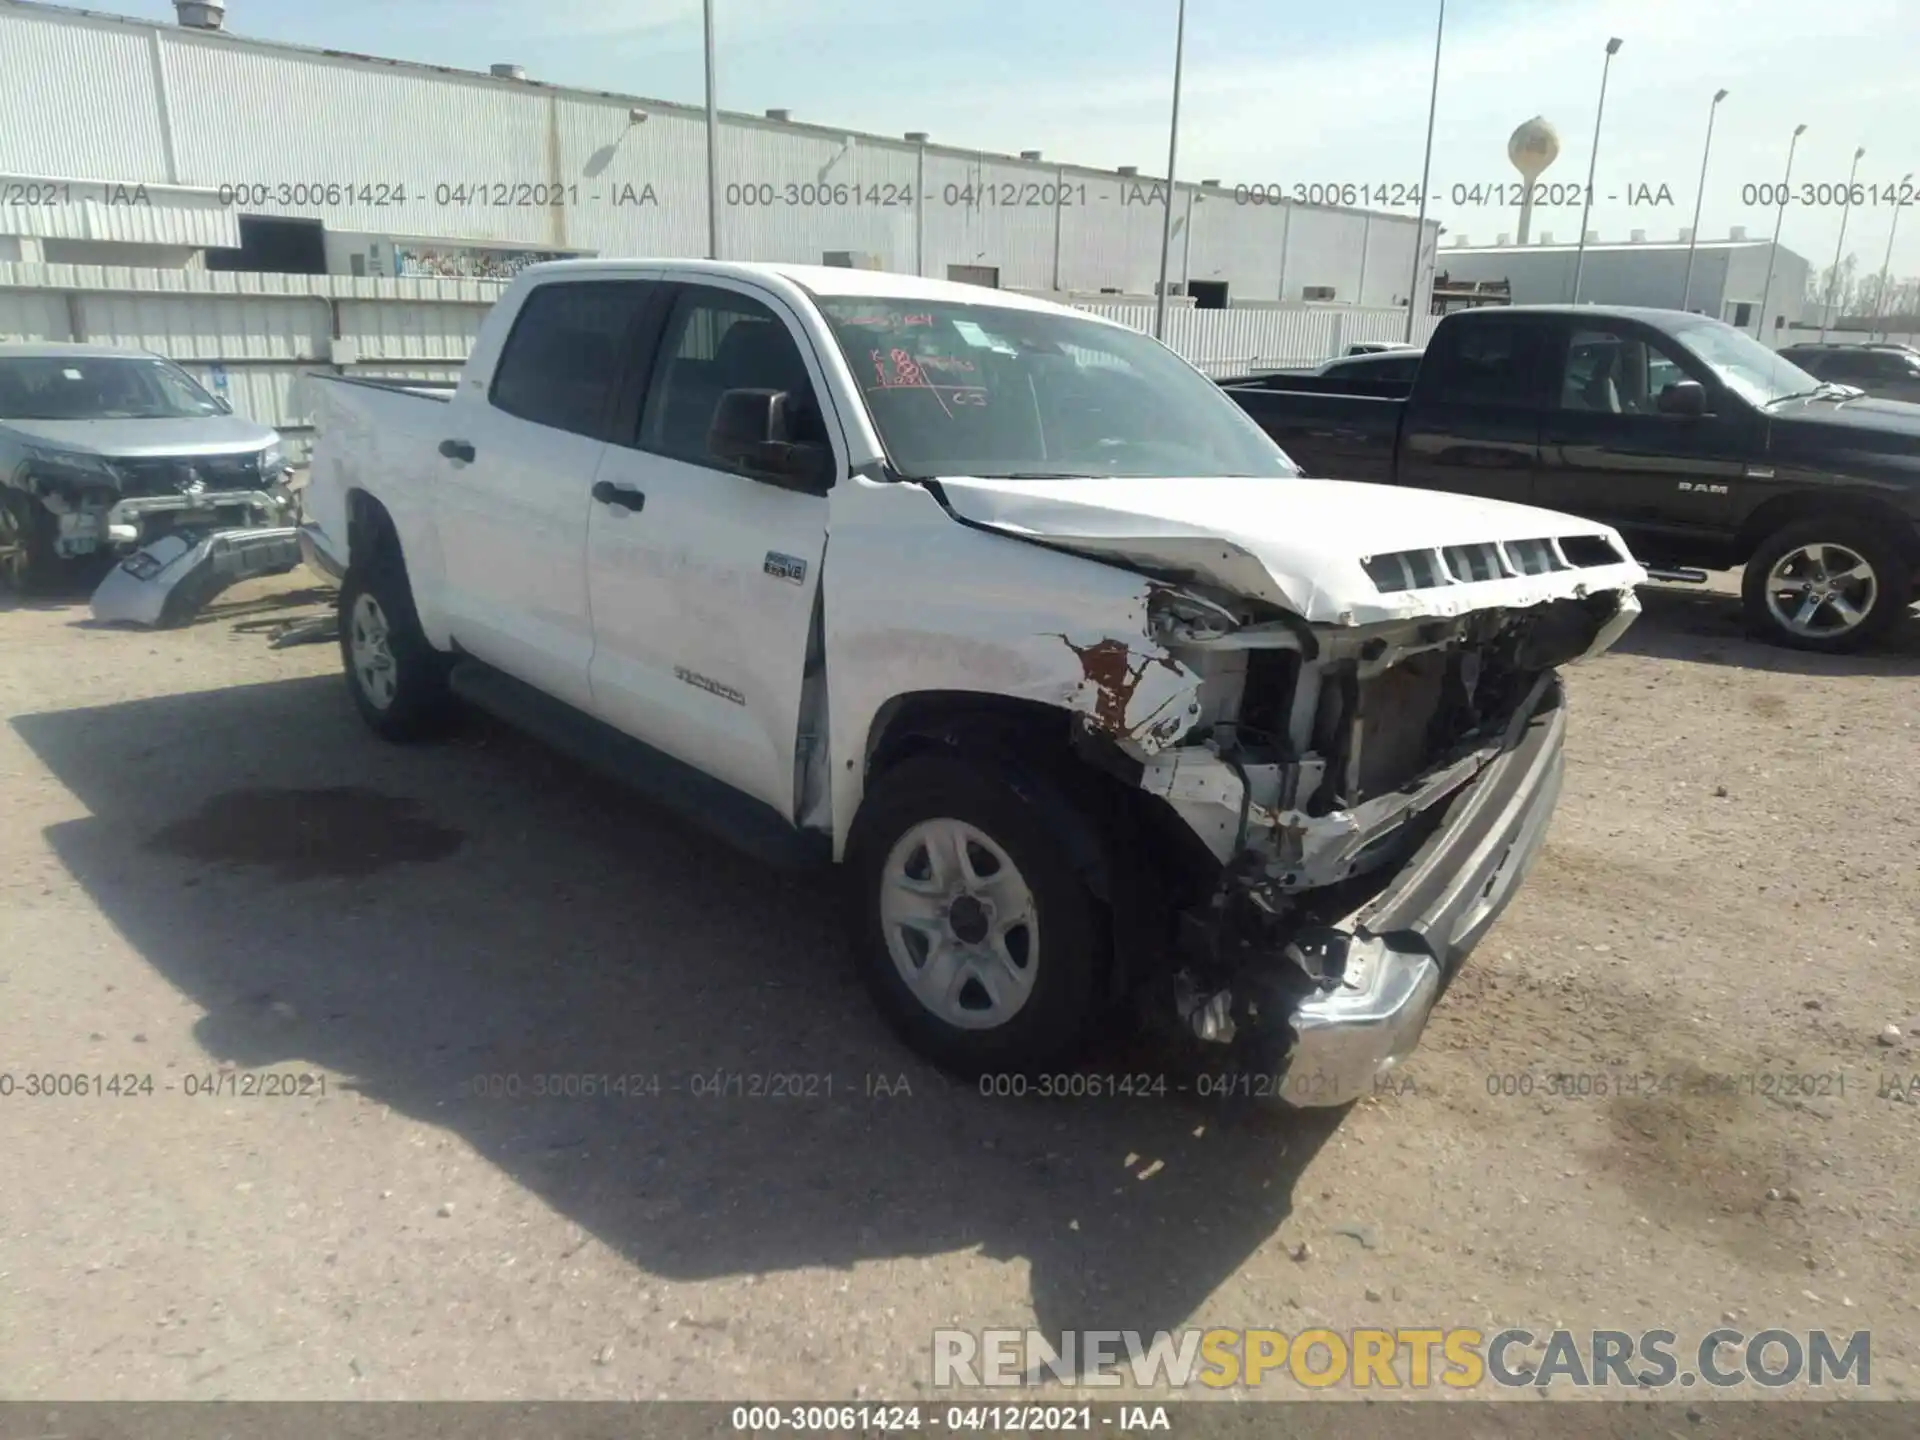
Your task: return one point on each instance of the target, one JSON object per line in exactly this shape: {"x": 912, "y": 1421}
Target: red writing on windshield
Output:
{"x": 899, "y": 369}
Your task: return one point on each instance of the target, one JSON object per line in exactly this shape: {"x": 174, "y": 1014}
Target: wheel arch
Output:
{"x": 1784, "y": 510}
{"x": 1139, "y": 859}
{"x": 1029, "y": 737}
{"x": 373, "y": 534}
{"x": 371, "y": 530}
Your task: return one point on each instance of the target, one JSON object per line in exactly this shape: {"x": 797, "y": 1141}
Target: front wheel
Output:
{"x": 978, "y": 941}
{"x": 1826, "y": 585}
{"x": 29, "y": 562}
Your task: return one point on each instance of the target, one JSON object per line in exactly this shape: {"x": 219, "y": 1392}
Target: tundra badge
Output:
{"x": 708, "y": 684}
{"x": 786, "y": 567}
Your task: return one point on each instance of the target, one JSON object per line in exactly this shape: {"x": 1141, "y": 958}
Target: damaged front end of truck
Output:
{"x": 1368, "y": 786}
{"x": 120, "y": 503}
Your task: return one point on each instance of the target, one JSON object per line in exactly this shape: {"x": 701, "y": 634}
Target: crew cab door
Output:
{"x": 1669, "y": 482}
{"x": 1472, "y": 425}
{"x": 516, "y": 464}
{"x": 704, "y": 576}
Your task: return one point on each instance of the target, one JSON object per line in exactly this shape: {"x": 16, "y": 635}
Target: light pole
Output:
{"x": 1426, "y": 170}
{"x": 1173, "y": 155}
{"x": 1693, "y": 235}
{"x": 1833, "y": 275}
{"x": 1880, "y": 297}
{"x": 1186, "y": 247}
{"x": 1760, "y": 325}
{"x": 713, "y": 146}
{"x": 1580, "y": 255}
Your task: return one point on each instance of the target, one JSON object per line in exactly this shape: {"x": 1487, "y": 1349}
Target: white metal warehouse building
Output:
{"x": 96, "y": 99}
{"x": 258, "y": 210}
{"x": 1728, "y": 276}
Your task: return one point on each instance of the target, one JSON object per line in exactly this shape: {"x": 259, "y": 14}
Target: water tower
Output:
{"x": 1532, "y": 148}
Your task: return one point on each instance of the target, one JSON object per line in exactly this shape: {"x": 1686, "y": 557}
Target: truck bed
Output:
{"x": 1309, "y": 383}
{"x": 1331, "y": 434}
{"x": 372, "y": 427}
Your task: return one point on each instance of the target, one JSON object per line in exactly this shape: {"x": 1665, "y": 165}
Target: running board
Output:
{"x": 1690, "y": 577}
{"x": 708, "y": 804}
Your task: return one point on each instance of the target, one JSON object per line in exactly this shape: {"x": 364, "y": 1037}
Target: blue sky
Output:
{"x": 1280, "y": 91}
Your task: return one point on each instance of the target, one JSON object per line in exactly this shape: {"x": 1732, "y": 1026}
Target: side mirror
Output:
{"x": 750, "y": 429}
{"x": 1685, "y": 398}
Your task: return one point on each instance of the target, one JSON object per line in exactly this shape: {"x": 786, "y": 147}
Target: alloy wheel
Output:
{"x": 1820, "y": 591}
{"x": 372, "y": 652}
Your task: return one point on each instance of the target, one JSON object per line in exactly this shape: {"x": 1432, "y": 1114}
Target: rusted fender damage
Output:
{"x": 1137, "y": 694}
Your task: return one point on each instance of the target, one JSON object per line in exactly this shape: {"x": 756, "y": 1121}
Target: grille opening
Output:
{"x": 1405, "y": 570}
{"x": 145, "y": 476}
{"x": 1467, "y": 563}
{"x": 1584, "y": 550}
{"x": 1533, "y": 557}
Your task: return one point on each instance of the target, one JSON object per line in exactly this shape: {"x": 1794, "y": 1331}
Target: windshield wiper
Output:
{"x": 1826, "y": 389}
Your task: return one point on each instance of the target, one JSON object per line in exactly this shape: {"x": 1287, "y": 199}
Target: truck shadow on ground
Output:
{"x": 1707, "y": 627}
{"x": 412, "y": 919}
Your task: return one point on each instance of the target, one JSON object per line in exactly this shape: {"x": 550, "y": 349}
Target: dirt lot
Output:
{"x": 1724, "y": 922}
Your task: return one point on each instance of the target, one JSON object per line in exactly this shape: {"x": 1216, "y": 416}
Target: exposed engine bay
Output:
{"x": 131, "y": 501}
{"x": 1320, "y": 761}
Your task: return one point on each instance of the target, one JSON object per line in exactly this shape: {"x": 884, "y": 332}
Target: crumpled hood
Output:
{"x": 146, "y": 439}
{"x": 1301, "y": 544}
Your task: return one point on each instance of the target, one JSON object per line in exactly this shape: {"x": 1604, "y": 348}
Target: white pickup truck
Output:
{"x": 1005, "y": 609}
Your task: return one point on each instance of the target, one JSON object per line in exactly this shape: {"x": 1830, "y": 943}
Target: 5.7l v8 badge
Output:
{"x": 786, "y": 567}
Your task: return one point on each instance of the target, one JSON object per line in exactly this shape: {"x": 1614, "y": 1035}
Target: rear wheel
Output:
{"x": 1826, "y": 585}
{"x": 397, "y": 679}
{"x": 977, "y": 939}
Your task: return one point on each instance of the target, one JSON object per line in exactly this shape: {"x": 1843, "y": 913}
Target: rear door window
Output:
{"x": 563, "y": 359}
{"x": 1492, "y": 362}
{"x": 1617, "y": 370}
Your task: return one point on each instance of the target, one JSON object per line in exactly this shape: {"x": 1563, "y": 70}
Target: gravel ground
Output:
{"x": 210, "y": 875}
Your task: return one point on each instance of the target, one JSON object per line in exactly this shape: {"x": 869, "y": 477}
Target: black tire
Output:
{"x": 29, "y": 562}
{"x": 1066, "y": 943}
{"x": 419, "y": 704}
{"x": 1892, "y": 579}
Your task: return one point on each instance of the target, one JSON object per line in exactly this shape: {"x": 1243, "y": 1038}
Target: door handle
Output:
{"x": 457, "y": 449}
{"x": 608, "y": 493}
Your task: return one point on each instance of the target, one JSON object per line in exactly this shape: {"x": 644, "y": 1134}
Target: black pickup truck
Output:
{"x": 1706, "y": 449}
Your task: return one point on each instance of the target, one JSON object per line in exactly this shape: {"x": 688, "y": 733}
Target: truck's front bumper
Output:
{"x": 1396, "y": 954}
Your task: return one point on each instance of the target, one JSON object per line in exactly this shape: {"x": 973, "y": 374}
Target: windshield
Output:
{"x": 962, "y": 389}
{"x": 98, "y": 387}
{"x": 1759, "y": 374}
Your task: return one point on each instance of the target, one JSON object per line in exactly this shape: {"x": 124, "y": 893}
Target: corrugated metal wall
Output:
{"x": 414, "y": 152}
{"x": 252, "y": 336}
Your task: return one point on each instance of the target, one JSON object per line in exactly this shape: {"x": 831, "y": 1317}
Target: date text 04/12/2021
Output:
{"x": 113, "y": 1085}
{"x": 1349, "y": 194}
